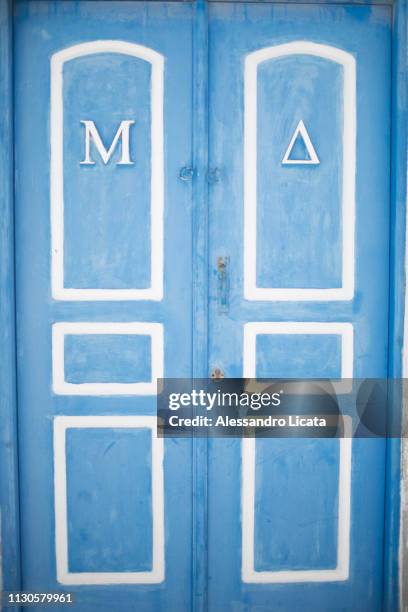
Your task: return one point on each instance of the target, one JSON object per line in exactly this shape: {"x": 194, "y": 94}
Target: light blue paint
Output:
{"x": 365, "y": 32}
{"x": 105, "y": 358}
{"x": 109, "y": 492}
{"x": 9, "y": 502}
{"x": 200, "y": 364}
{"x": 101, "y": 201}
{"x": 393, "y": 531}
{"x": 43, "y": 28}
{"x": 299, "y": 204}
{"x": 298, "y": 356}
{"x": 115, "y": 214}
{"x": 283, "y": 468}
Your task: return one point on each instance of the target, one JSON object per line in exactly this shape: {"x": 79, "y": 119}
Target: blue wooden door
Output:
{"x": 103, "y": 235}
{"x": 299, "y": 129}
{"x": 299, "y": 139}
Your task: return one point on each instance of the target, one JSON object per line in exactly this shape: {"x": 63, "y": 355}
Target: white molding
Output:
{"x": 60, "y": 330}
{"x": 341, "y": 572}
{"x": 59, "y": 291}
{"x": 302, "y": 131}
{"x": 64, "y": 576}
{"x": 252, "y": 61}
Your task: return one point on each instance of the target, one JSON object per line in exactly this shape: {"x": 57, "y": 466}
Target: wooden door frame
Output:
{"x": 396, "y": 524}
{"x": 396, "y": 520}
{"x": 10, "y": 577}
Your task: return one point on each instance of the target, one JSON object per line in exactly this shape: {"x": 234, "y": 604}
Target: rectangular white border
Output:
{"x": 252, "y": 61}
{"x": 59, "y": 291}
{"x": 64, "y": 576}
{"x": 341, "y": 572}
{"x": 60, "y": 330}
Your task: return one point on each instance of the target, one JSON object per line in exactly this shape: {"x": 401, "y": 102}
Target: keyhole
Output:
{"x": 217, "y": 374}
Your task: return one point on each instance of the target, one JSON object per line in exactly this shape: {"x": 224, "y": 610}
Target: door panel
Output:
{"x": 289, "y": 89}
{"x": 299, "y": 129}
{"x": 79, "y": 76}
{"x": 103, "y": 298}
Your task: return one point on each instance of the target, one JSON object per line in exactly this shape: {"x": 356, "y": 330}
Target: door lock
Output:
{"x": 186, "y": 173}
{"x": 217, "y": 374}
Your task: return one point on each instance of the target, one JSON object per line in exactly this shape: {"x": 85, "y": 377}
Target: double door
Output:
{"x": 156, "y": 142}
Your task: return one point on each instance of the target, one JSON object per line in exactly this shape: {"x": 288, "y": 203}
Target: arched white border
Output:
{"x": 341, "y": 571}
{"x": 155, "y": 291}
{"x": 252, "y": 61}
{"x": 64, "y": 576}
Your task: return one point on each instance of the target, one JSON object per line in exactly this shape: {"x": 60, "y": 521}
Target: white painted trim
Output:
{"x": 252, "y": 61}
{"x": 341, "y": 572}
{"x": 302, "y": 131}
{"x": 60, "y": 330}
{"x": 64, "y": 576}
{"x": 59, "y": 291}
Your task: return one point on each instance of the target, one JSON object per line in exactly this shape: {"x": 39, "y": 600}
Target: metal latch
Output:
{"x": 223, "y": 284}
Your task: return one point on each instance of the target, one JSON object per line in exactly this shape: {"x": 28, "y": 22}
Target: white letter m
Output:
{"x": 122, "y": 134}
